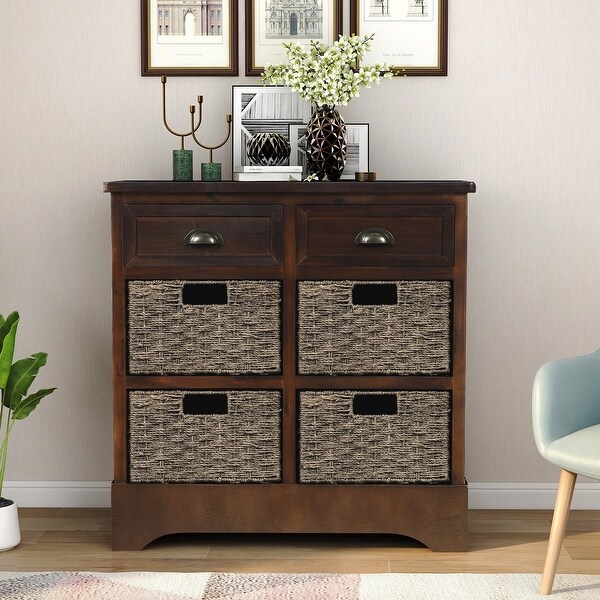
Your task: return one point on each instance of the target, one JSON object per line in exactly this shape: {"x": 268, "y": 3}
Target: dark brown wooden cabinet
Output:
{"x": 289, "y": 357}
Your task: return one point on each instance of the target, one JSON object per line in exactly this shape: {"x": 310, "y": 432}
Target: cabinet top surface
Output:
{"x": 270, "y": 187}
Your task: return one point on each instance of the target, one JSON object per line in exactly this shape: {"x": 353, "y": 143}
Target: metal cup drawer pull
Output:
{"x": 203, "y": 237}
{"x": 374, "y": 235}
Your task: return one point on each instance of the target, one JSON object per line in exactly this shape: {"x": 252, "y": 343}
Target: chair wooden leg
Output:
{"x": 566, "y": 485}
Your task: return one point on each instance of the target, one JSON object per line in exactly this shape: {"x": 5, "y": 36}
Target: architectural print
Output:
{"x": 190, "y": 17}
{"x": 398, "y": 10}
{"x": 418, "y": 8}
{"x": 380, "y": 8}
{"x": 286, "y": 19}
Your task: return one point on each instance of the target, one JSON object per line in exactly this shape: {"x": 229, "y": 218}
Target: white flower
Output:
{"x": 327, "y": 75}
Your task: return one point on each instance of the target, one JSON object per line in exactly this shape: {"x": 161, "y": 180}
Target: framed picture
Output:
{"x": 189, "y": 37}
{"x": 271, "y": 23}
{"x": 357, "y": 157}
{"x": 263, "y": 109}
{"x": 410, "y": 35}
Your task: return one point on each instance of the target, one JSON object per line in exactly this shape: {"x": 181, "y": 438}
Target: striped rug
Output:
{"x": 282, "y": 586}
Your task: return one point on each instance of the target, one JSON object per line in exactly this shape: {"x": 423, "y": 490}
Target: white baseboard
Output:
{"x": 96, "y": 494}
{"x": 58, "y": 494}
{"x": 530, "y": 495}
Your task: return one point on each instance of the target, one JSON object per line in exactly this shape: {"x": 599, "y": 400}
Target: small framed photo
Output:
{"x": 189, "y": 37}
{"x": 357, "y": 140}
{"x": 263, "y": 109}
{"x": 411, "y": 36}
{"x": 271, "y": 23}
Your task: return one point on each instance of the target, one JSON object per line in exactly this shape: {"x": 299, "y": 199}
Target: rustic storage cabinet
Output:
{"x": 289, "y": 357}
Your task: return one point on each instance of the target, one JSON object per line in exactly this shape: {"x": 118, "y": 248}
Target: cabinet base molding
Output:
{"x": 435, "y": 515}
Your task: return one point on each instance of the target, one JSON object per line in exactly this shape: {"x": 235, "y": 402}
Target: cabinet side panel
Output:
{"x": 459, "y": 362}
{"x": 119, "y": 349}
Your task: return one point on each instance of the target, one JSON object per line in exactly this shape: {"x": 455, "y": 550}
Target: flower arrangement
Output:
{"x": 327, "y": 75}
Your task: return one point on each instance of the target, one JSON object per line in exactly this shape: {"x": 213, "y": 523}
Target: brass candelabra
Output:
{"x": 182, "y": 158}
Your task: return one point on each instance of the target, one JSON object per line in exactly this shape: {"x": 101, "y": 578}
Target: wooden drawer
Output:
{"x": 249, "y": 235}
{"x": 421, "y": 235}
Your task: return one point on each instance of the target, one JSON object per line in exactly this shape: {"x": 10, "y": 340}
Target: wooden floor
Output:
{"x": 499, "y": 541}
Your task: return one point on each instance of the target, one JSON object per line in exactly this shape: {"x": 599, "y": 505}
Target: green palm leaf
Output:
{"x": 8, "y": 332}
{"x": 22, "y": 374}
{"x": 27, "y": 405}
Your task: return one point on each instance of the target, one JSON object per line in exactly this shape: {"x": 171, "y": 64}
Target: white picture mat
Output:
{"x": 273, "y": 109}
{"x": 357, "y": 140}
{"x": 209, "y": 51}
{"x": 402, "y": 43}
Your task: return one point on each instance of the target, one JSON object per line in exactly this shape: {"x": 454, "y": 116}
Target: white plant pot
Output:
{"x": 10, "y": 535}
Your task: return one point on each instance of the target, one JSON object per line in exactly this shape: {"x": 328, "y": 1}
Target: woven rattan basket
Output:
{"x": 168, "y": 446}
{"x": 339, "y": 446}
{"x": 168, "y": 336}
{"x": 410, "y": 336}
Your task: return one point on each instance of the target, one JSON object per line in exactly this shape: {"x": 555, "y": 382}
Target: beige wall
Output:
{"x": 517, "y": 114}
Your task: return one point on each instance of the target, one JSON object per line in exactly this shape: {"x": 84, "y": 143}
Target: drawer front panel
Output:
{"x": 188, "y": 437}
{"x": 374, "y": 327}
{"x": 204, "y": 327}
{"x": 413, "y": 235}
{"x": 233, "y": 235}
{"x": 403, "y": 438}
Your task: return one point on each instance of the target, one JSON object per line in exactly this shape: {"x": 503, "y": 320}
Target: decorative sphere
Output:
{"x": 268, "y": 149}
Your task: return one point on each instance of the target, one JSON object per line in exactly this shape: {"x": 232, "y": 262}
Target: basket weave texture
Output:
{"x": 337, "y": 446}
{"x": 168, "y": 446}
{"x": 167, "y": 336}
{"x": 336, "y": 337}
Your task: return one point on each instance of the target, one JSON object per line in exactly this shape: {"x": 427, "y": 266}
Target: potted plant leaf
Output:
{"x": 15, "y": 381}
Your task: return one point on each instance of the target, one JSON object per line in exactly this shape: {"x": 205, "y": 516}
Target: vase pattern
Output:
{"x": 326, "y": 143}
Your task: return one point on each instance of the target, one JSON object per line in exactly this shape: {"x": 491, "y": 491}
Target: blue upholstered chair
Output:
{"x": 566, "y": 426}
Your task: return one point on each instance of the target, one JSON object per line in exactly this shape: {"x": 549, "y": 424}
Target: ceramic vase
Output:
{"x": 326, "y": 143}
